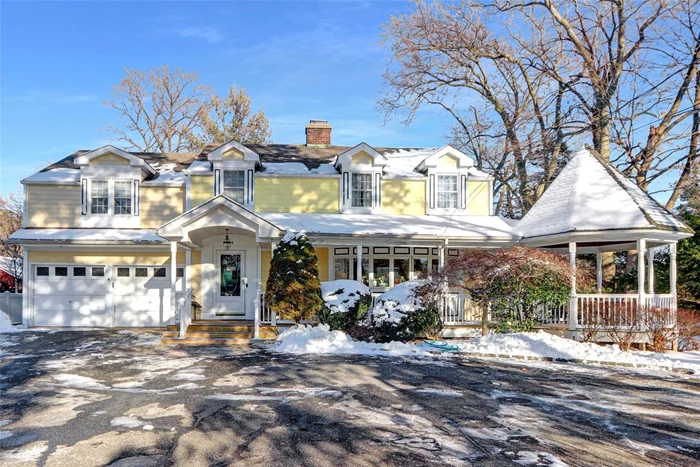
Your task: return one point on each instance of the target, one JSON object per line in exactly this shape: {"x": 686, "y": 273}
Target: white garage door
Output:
{"x": 141, "y": 295}
{"x": 77, "y": 295}
{"x": 71, "y": 295}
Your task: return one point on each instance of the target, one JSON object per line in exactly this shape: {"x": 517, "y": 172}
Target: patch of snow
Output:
{"x": 5, "y": 434}
{"x": 246, "y": 397}
{"x": 127, "y": 422}
{"x": 305, "y": 391}
{"x": 440, "y": 392}
{"x": 59, "y": 175}
{"x": 297, "y": 168}
{"x": 545, "y": 345}
{"x": 393, "y": 305}
{"x": 402, "y": 162}
{"x": 341, "y": 295}
{"x": 6, "y": 326}
{"x": 77, "y": 381}
{"x": 538, "y": 458}
{"x": 199, "y": 167}
{"x": 292, "y": 237}
{"x": 303, "y": 339}
{"x": 148, "y": 427}
{"x": 5, "y": 422}
{"x": 88, "y": 235}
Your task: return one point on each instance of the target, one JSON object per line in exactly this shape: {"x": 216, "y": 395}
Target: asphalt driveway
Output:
{"x": 83, "y": 398}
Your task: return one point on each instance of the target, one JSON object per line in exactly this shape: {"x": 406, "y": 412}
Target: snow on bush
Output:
{"x": 392, "y": 306}
{"x": 545, "y": 345}
{"x": 320, "y": 339}
{"x": 404, "y": 313}
{"x": 341, "y": 296}
{"x": 345, "y": 303}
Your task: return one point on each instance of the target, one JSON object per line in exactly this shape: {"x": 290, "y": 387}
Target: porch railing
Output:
{"x": 184, "y": 311}
{"x": 625, "y": 310}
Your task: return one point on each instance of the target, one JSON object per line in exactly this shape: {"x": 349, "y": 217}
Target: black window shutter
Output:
{"x": 83, "y": 196}
{"x": 464, "y": 191}
{"x": 431, "y": 191}
{"x": 137, "y": 197}
{"x": 217, "y": 182}
{"x": 249, "y": 178}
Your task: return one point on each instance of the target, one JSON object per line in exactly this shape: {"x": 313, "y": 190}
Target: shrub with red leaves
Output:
{"x": 688, "y": 330}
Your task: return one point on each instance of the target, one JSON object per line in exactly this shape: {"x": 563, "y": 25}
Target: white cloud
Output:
{"x": 41, "y": 97}
{"x": 208, "y": 34}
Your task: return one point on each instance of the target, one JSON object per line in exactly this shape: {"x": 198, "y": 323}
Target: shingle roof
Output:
{"x": 591, "y": 195}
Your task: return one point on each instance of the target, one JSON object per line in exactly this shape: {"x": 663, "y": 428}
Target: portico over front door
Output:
{"x": 230, "y": 290}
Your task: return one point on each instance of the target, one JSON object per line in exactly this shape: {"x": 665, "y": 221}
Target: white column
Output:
{"x": 188, "y": 267}
{"x": 173, "y": 277}
{"x": 599, "y": 270}
{"x": 358, "y": 272}
{"x": 441, "y": 257}
{"x": 273, "y": 315}
{"x": 673, "y": 272}
{"x": 641, "y": 250}
{"x": 27, "y": 283}
{"x": 258, "y": 292}
{"x": 573, "y": 301}
{"x": 650, "y": 270}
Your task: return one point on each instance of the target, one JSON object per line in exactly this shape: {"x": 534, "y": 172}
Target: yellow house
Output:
{"x": 110, "y": 234}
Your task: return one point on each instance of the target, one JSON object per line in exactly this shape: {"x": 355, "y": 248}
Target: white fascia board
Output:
{"x": 310, "y": 175}
{"x": 344, "y": 159}
{"x": 431, "y": 162}
{"x": 134, "y": 161}
{"x": 625, "y": 235}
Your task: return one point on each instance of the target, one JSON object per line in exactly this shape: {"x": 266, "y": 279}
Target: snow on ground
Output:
{"x": 544, "y": 345}
{"x": 321, "y": 340}
{"x": 341, "y": 295}
{"x": 6, "y": 324}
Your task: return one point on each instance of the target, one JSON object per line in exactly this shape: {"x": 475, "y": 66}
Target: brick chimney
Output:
{"x": 318, "y": 133}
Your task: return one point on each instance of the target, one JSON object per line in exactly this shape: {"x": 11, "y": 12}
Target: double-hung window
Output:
{"x": 99, "y": 196}
{"x": 234, "y": 185}
{"x": 447, "y": 192}
{"x": 361, "y": 190}
{"x": 122, "y": 197}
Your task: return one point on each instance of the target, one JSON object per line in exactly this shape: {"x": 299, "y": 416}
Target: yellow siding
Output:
{"x": 321, "y": 253}
{"x": 403, "y": 197}
{"x": 232, "y": 155}
{"x": 160, "y": 204}
{"x": 195, "y": 272}
{"x": 478, "y": 200}
{"x": 313, "y": 195}
{"x": 362, "y": 158}
{"x": 109, "y": 159}
{"x": 447, "y": 162}
{"x": 53, "y": 206}
{"x": 202, "y": 189}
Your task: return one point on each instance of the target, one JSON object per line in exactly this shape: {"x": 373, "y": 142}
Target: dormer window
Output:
{"x": 361, "y": 190}
{"x": 99, "y": 197}
{"x": 234, "y": 185}
{"x": 110, "y": 197}
{"x": 122, "y": 197}
{"x": 447, "y": 191}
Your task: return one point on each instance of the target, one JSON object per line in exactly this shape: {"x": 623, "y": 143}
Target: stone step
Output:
{"x": 206, "y": 341}
{"x": 231, "y": 335}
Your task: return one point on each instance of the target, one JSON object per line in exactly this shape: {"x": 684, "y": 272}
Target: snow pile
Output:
{"x": 320, "y": 339}
{"x": 393, "y": 305}
{"x": 6, "y": 324}
{"x": 544, "y": 345}
{"x": 341, "y": 296}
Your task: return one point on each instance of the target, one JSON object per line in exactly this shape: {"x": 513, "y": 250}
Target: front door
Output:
{"x": 230, "y": 289}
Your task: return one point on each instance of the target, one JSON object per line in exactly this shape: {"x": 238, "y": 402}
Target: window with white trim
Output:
{"x": 122, "y": 197}
{"x": 447, "y": 191}
{"x": 361, "y": 196}
{"x": 234, "y": 185}
{"x": 99, "y": 197}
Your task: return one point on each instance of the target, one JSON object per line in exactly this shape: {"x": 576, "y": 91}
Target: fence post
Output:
{"x": 573, "y": 300}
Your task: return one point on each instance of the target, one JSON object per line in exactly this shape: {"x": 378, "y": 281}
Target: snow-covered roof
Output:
{"x": 472, "y": 227}
{"x": 402, "y": 163}
{"x": 90, "y": 236}
{"x": 591, "y": 195}
{"x": 297, "y": 168}
{"x": 59, "y": 176}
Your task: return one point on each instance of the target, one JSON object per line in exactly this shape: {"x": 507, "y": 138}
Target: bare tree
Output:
{"x": 159, "y": 107}
{"x": 11, "y": 215}
{"x": 228, "y": 119}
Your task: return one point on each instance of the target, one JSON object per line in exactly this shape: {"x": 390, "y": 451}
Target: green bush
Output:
{"x": 293, "y": 289}
{"x": 345, "y": 304}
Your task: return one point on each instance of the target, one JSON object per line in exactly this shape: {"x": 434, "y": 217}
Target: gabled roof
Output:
{"x": 463, "y": 161}
{"x": 591, "y": 195}
{"x": 135, "y": 161}
{"x": 378, "y": 159}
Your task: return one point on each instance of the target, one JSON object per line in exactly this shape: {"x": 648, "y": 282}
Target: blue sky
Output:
{"x": 298, "y": 60}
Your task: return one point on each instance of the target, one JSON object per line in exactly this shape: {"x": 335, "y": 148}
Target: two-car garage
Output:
{"x": 101, "y": 295}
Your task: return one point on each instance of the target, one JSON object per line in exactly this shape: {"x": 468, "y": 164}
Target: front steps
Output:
{"x": 217, "y": 332}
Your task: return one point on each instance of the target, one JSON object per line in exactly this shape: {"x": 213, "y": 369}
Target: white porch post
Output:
{"x": 187, "y": 282}
{"x": 441, "y": 257}
{"x": 599, "y": 271}
{"x": 673, "y": 274}
{"x": 273, "y": 315}
{"x": 650, "y": 271}
{"x": 27, "y": 282}
{"x": 173, "y": 278}
{"x": 358, "y": 272}
{"x": 258, "y": 292}
{"x": 641, "y": 250}
{"x": 573, "y": 301}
